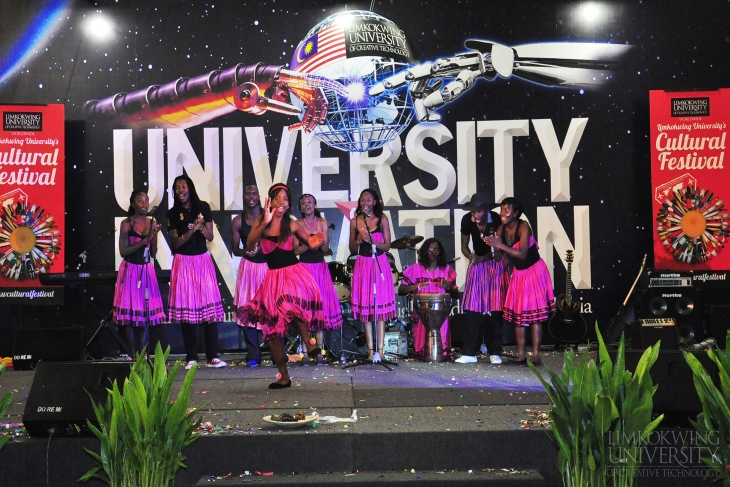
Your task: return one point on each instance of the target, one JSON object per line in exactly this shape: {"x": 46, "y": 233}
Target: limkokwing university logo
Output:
{"x": 28, "y": 121}
{"x": 691, "y": 107}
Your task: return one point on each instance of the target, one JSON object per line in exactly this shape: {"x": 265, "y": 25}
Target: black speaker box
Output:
{"x": 676, "y": 393}
{"x": 350, "y": 338}
{"x": 720, "y": 322}
{"x": 48, "y": 344}
{"x": 59, "y": 396}
{"x": 683, "y": 304}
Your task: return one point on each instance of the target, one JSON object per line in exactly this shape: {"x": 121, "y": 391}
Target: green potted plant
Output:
{"x": 713, "y": 423}
{"x": 601, "y": 416}
{"x": 4, "y": 403}
{"x": 143, "y": 432}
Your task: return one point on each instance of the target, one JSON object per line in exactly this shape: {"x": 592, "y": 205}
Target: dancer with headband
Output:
{"x": 312, "y": 222}
{"x": 288, "y": 294}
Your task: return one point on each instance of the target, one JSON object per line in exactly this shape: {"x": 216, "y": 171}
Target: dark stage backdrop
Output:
{"x": 500, "y": 137}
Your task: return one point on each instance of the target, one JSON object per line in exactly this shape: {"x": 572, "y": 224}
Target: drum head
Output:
{"x": 341, "y": 277}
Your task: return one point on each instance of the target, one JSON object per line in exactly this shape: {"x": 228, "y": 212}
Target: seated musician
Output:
{"x": 430, "y": 275}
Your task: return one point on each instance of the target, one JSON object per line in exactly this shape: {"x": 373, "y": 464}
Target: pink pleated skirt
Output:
{"x": 330, "y": 301}
{"x": 194, "y": 293}
{"x": 130, "y": 307}
{"x": 530, "y": 298}
{"x": 285, "y": 294}
{"x": 485, "y": 287}
{"x": 250, "y": 277}
{"x": 363, "y": 307}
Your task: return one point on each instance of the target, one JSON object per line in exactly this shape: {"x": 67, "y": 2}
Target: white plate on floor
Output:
{"x": 308, "y": 420}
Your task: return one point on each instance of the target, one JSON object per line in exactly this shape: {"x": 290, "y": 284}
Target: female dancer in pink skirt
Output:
{"x": 288, "y": 294}
{"x": 530, "y": 299}
{"x": 137, "y": 301}
{"x": 251, "y": 270}
{"x": 430, "y": 275}
{"x": 486, "y": 282}
{"x": 371, "y": 228}
{"x": 194, "y": 295}
{"x": 313, "y": 223}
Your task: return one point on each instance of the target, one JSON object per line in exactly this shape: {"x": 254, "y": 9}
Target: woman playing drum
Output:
{"x": 430, "y": 275}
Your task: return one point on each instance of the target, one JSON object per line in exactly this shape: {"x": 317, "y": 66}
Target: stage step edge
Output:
{"x": 517, "y": 478}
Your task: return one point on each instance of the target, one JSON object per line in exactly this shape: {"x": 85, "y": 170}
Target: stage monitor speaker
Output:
{"x": 683, "y": 304}
{"x": 349, "y": 339}
{"x": 59, "y": 396}
{"x": 676, "y": 393}
{"x": 48, "y": 344}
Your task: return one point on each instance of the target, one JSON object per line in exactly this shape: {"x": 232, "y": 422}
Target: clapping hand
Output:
{"x": 198, "y": 225}
{"x": 316, "y": 240}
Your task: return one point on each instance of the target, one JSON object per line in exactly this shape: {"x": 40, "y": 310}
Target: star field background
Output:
{"x": 677, "y": 47}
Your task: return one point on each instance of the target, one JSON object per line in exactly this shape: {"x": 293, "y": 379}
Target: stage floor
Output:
{"x": 422, "y": 416}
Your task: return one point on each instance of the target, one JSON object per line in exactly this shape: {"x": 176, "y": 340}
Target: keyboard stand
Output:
{"x": 105, "y": 321}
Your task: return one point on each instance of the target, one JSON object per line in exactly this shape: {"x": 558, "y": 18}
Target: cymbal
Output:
{"x": 405, "y": 242}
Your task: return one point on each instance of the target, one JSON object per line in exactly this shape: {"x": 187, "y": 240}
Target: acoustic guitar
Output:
{"x": 567, "y": 324}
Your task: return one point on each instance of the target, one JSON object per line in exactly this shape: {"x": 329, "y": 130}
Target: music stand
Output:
{"x": 376, "y": 356}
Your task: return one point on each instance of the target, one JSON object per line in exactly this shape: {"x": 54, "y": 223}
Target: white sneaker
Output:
{"x": 217, "y": 363}
{"x": 190, "y": 364}
{"x": 495, "y": 359}
{"x": 466, "y": 359}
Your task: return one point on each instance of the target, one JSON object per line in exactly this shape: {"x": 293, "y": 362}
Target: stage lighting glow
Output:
{"x": 99, "y": 27}
{"x": 355, "y": 91}
{"x": 590, "y": 12}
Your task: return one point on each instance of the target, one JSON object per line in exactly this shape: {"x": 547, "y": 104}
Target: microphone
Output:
{"x": 152, "y": 211}
{"x": 453, "y": 260}
{"x": 360, "y": 211}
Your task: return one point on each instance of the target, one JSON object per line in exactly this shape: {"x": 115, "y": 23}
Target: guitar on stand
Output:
{"x": 611, "y": 335}
{"x": 567, "y": 325}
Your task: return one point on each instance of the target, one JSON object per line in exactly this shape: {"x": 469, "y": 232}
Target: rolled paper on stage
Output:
{"x": 335, "y": 419}
{"x": 433, "y": 309}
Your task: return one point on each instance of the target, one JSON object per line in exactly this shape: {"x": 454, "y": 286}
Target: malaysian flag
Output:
{"x": 322, "y": 48}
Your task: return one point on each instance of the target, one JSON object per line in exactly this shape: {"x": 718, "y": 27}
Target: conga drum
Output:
{"x": 433, "y": 309}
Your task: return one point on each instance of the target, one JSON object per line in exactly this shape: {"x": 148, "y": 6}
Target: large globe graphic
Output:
{"x": 356, "y": 121}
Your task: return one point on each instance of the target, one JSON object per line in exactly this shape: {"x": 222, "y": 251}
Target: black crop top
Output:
{"x": 532, "y": 254}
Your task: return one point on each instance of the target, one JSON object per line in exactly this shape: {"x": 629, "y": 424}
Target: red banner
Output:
{"x": 690, "y": 181}
{"x": 32, "y": 184}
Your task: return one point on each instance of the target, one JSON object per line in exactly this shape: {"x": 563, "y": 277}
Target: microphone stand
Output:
{"x": 376, "y": 356}
{"x": 144, "y": 283}
{"x": 83, "y": 255}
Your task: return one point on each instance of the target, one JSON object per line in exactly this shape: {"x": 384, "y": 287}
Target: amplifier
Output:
{"x": 646, "y": 332}
{"x": 670, "y": 278}
{"x": 658, "y": 322}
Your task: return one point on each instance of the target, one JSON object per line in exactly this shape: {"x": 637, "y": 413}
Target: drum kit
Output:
{"x": 341, "y": 273}
{"x": 431, "y": 308}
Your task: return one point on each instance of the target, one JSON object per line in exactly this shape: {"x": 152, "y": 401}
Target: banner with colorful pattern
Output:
{"x": 32, "y": 193}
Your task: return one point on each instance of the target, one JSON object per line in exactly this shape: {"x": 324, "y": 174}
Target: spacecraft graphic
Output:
{"x": 352, "y": 82}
